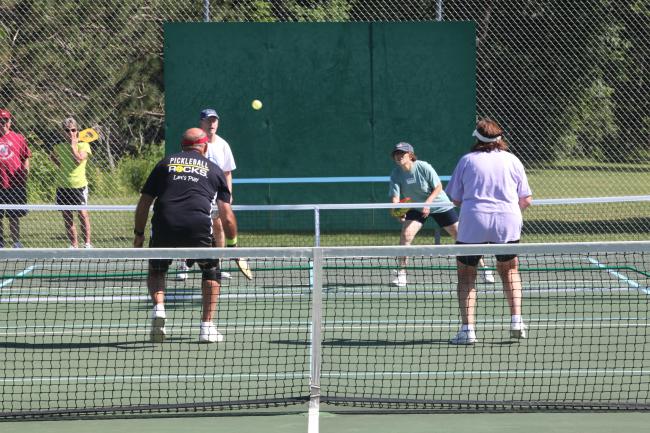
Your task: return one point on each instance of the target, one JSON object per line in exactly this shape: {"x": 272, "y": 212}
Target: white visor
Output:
{"x": 483, "y": 138}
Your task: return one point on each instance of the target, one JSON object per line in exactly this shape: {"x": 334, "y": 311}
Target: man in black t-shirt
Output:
{"x": 182, "y": 188}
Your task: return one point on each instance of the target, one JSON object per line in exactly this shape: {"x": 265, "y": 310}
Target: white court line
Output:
{"x": 159, "y": 377}
{"x": 113, "y": 298}
{"x": 581, "y": 372}
{"x": 19, "y": 274}
{"x": 537, "y": 372}
{"x": 630, "y": 282}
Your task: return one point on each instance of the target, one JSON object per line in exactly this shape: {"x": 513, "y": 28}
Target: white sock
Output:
{"x": 206, "y": 324}
{"x": 516, "y": 318}
{"x": 469, "y": 327}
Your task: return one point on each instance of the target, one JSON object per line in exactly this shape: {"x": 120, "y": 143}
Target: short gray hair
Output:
{"x": 69, "y": 122}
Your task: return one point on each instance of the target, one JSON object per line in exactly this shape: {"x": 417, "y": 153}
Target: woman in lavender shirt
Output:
{"x": 491, "y": 187}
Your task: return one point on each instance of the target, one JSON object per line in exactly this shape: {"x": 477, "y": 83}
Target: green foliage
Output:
{"x": 141, "y": 102}
{"x": 43, "y": 178}
{"x": 591, "y": 124}
{"x": 134, "y": 170}
{"x": 562, "y": 86}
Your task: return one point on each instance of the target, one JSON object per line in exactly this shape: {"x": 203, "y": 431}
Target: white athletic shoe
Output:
{"x": 226, "y": 275}
{"x": 183, "y": 274}
{"x": 88, "y": 245}
{"x": 18, "y": 244}
{"x": 158, "y": 332}
{"x": 210, "y": 334}
{"x": 400, "y": 278}
{"x": 466, "y": 336}
{"x": 487, "y": 276}
{"x": 518, "y": 330}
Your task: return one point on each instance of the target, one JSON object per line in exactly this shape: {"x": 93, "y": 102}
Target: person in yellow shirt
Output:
{"x": 71, "y": 158}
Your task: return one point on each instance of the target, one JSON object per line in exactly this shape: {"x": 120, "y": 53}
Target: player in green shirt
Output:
{"x": 418, "y": 181}
{"x": 71, "y": 158}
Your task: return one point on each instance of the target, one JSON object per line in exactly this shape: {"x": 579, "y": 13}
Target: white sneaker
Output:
{"x": 183, "y": 274}
{"x": 88, "y": 245}
{"x": 226, "y": 275}
{"x": 210, "y": 334}
{"x": 400, "y": 279}
{"x": 467, "y": 336}
{"x": 487, "y": 276}
{"x": 158, "y": 332}
{"x": 18, "y": 244}
{"x": 518, "y": 330}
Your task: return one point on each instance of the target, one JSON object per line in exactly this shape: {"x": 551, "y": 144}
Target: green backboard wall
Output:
{"x": 337, "y": 97}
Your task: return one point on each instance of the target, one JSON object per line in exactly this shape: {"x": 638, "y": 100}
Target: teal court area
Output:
{"x": 438, "y": 423}
{"x": 75, "y": 341}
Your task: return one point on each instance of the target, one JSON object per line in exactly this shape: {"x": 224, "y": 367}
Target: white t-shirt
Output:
{"x": 219, "y": 152}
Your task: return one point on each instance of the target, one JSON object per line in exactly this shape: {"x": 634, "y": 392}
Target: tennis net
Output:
{"x": 324, "y": 324}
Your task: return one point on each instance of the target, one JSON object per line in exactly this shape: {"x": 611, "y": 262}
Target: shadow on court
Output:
{"x": 344, "y": 342}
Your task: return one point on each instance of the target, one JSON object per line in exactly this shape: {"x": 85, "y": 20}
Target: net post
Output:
{"x": 316, "y": 328}
{"x": 316, "y": 227}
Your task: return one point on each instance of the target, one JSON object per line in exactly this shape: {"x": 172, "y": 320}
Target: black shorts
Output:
{"x": 13, "y": 196}
{"x": 162, "y": 239}
{"x": 72, "y": 196}
{"x": 443, "y": 219}
{"x": 473, "y": 260}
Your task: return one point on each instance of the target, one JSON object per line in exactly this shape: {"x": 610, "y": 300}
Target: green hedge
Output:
{"x": 125, "y": 179}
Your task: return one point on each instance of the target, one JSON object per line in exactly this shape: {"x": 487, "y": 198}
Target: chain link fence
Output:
{"x": 568, "y": 80}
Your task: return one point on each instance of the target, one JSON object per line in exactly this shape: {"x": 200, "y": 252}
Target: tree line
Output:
{"x": 567, "y": 79}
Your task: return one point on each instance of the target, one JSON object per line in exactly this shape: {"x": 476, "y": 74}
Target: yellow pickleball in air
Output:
{"x": 256, "y": 104}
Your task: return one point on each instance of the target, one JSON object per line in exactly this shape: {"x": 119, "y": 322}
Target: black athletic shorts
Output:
{"x": 13, "y": 196}
{"x": 72, "y": 196}
{"x": 161, "y": 238}
{"x": 443, "y": 219}
{"x": 473, "y": 260}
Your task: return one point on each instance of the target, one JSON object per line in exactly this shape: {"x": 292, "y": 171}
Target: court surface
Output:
{"x": 633, "y": 422}
{"x": 75, "y": 336}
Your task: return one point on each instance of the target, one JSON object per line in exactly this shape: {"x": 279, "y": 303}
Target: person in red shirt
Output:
{"x": 14, "y": 167}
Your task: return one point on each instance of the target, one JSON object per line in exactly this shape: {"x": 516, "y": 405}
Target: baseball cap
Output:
{"x": 403, "y": 147}
{"x": 209, "y": 112}
{"x": 4, "y": 114}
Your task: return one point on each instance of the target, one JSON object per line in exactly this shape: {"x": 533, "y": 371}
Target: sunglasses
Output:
{"x": 71, "y": 130}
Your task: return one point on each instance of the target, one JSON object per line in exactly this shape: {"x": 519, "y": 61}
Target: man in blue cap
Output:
{"x": 218, "y": 152}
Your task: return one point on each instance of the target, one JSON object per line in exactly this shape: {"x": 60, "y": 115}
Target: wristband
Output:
{"x": 138, "y": 233}
{"x": 231, "y": 242}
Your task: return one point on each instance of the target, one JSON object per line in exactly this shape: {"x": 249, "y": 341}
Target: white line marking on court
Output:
{"x": 19, "y": 274}
{"x": 630, "y": 282}
{"x": 130, "y": 298}
{"x": 160, "y": 377}
{"x": 537, "y": 372}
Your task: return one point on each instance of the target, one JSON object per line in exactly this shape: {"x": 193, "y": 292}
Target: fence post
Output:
{"x": 316, "y": 227}
{"x": 206, "y": 11}
{"x": 316, "y": 337}
{"x": 439, "y": 9}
